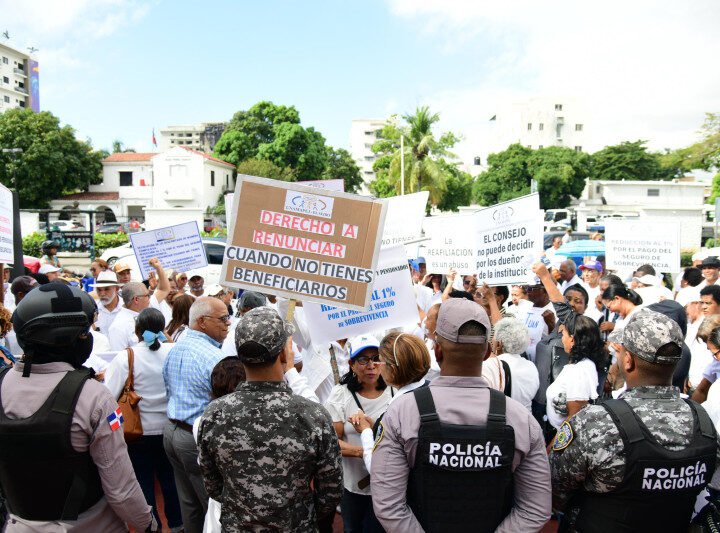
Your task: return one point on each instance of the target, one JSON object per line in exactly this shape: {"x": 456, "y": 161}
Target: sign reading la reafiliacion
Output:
{"x": 404, "y": 218}
{"x": 631, "y": 243}
{"x": 392, "y": 304}
{"x": 510, "y": 238}
{"x": 6, "y": 225}
{"x": 497, "y": 243}
{"x": 178, "y": 247}
{"x": 300, "y": 242}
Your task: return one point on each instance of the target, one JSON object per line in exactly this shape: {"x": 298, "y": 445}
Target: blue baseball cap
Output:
{"x": 414, "y": 265}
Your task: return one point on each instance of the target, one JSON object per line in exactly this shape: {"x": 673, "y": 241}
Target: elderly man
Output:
{"x": 108, "y": 302}
{"x": 187, "y": 372}
{"x": 197, "y": 286}
{"x": 568, "y": 275}
{"x": 136, "y": 297}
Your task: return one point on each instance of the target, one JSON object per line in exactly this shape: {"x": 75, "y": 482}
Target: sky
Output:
{"x": 113, "y": 69}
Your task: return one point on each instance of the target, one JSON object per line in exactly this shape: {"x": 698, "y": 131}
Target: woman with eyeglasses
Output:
{"x": 405, "y": 363}
{"x": 147, "y": 454}
{"x": 712, "y": 370}
{"x": 361, "y": 390}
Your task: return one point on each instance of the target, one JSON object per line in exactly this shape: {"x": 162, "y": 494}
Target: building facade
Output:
{"x": 363, "y": 134}
{"x": 176, "y": 185}
{"x": 19, "y": 80}
{"x": 201, "y": 137}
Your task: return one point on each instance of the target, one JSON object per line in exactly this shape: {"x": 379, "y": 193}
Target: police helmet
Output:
{"x": 52, "y": 323}
{"x": 47, "y": 245}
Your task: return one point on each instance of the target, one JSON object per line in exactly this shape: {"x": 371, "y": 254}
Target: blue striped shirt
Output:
{"x": 187, "y": 372}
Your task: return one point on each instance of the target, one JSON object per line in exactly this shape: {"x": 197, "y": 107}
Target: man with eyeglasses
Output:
{"x": 187, "y": 372}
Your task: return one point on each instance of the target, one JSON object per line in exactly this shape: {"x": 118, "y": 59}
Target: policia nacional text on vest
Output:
{"x": 42, "y": 476}
{"x": 462, "y": 477}
{"x": 660, "y": 486}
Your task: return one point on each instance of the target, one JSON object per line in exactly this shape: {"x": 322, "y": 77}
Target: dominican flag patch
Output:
{"x": 115, "y": 419}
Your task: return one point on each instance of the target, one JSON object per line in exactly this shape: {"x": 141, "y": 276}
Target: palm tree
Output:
{"x": 422, "y": 153}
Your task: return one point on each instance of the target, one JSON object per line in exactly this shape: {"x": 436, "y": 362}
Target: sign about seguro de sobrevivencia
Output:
{"x": 303, "y": 243}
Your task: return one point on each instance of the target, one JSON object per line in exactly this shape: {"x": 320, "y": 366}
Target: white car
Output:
{"x": 214, "y": 251}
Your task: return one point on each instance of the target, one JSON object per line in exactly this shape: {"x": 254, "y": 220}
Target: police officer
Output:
{"x": 63, "y": 459}
{"x": 457, "y": 455}
{"x": 636, "y": 463}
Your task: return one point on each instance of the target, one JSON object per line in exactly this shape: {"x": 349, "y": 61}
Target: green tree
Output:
{"x": 560, "y": 173}
{"x": 265, "y": 169}
{"x": 52, "y": 162}
{"x": 302, "y": 149}
{"x": 507, "y": 176}
{"x": 458, "y": 189}
{"x": 118, "y": 147}
{"x": 627, "y": 161}
{"x": 424, "y": 154}
{"x": 340, "y": 165}
{"x": 381, "y": 187}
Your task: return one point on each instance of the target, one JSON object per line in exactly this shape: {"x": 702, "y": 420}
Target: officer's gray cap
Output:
{"x": 456, "y": 312}
{"x": 647, "y": 332}
{"x": 260, "y": 335}
{"x": 251, "y": 299}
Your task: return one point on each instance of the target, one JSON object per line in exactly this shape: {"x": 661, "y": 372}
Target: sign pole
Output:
{"x": 19, "y": 266}
{"x": 291, "y": 310}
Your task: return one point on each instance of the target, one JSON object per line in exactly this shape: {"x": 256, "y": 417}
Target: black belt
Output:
{"x": 182, "y": 425}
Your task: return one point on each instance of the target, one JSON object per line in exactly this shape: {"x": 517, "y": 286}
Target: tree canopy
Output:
{"x": 273, "y": 133}
{"x": 52, "y": 161}
{"x": 560, "y": 174}
{"x": 425, "y": 156}
{"x": 628, "y": 161}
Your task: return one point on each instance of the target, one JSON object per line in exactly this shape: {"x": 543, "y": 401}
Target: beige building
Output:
{"x": 202, "y": 137}
{"x": 363, "y": 134}
{"x": 19, "y": 80}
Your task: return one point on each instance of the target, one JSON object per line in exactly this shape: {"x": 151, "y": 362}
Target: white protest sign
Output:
{"x": 392, "y": 304}
{"x": 404, "y": 218}
{"x": 510, "y": 238}
{"x": 6, "y": 225}
{"x": 178, "y": 247}
{"x": 631, "y": 243}
{"x": 452, "y": 244}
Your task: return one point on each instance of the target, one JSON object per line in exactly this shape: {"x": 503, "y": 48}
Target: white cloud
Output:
{"x": 643, "y": 69}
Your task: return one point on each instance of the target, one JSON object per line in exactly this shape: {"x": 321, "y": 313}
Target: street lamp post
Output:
{"x": 19, "y": 267}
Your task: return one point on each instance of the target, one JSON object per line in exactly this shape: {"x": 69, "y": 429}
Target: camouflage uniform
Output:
{"x": 589, "y": 454}
{"x": 262, "y": 446}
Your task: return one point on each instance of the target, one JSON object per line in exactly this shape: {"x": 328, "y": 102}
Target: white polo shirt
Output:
{"x": 107, "y": 317}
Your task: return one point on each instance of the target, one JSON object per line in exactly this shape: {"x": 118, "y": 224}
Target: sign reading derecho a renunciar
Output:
{"x": 299, "y": 242}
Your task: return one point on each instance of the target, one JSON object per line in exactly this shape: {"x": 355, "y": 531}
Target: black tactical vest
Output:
{"x": 660, "y": 486}
{"x": 42, "y": 476}
{"x": 462, "y": 477}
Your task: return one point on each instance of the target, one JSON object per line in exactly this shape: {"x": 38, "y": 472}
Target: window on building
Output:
{"x": 227, "y": 180}
{"x": 7, "y": 99}
{"x": 5, "y": 60}
{"x": 529, "y": 126}
{"x": 541, "y": 126}
{"x": 188, "y": 135}
{"x": 578, "y": 127}
{"x": 125, "y": 178}
{"x": 597, "y": 189}
{"x": 578, "y": 148}
{"x": 172, "y": 135}
{"x": 21, "y": 85}
{"x": 540, "y": 146}
{"x": 22, "y": 103}
{"x": 529, "y": 146}
{"x": 558, "y": 107}
{"x": 212, "y": 178}
{"x": 653, "y": 192}
{"x": 6, "y": 79}
{"x": 378, "y": 134}
{"x": 477, "y": 161}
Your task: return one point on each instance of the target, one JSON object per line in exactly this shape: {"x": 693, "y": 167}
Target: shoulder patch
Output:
{"x": 380, "y": 435}
{"x": 564, "y": 437}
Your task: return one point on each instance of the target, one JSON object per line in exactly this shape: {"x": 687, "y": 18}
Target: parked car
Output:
{"x": 111, "y": 227}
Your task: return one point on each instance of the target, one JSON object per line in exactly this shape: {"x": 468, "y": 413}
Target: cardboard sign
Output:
{"x": 404, "y": 218}
{"x": 631, "y": 243}
{"x": 6, "y": 225}
{"x": 510, "y": 239}
{"x": 299, "y": 242}
{"x": 392, "y": 304}
{"x": 178, "y": 247}
{"x": 498, "y": 243}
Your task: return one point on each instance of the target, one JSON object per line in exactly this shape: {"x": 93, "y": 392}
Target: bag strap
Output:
{"x": 426, "y": 405}
{"x": 130, "y": 381}
{"x": 357, "y": 401}
{"x": 508, "y": 378}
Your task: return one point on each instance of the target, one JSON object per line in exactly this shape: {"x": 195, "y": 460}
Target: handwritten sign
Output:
{"x": 392, "y": 304}
{"x": 178, "y": 247}
{"x": 300, "y": 242}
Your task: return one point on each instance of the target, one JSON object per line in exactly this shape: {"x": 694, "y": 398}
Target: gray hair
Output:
{"x": 131, "y": 290}
{"x": 571, "y": 265}
{"x": 513, "y": 334}
{"x": 201, "y": 307}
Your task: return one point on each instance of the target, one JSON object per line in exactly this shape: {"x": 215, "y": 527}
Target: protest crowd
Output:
{"x": 581, "y": 399}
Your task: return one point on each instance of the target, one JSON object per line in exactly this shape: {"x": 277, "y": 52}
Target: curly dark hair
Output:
{"x": 354, "y": 385}
{"x": 586, "y": 334}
